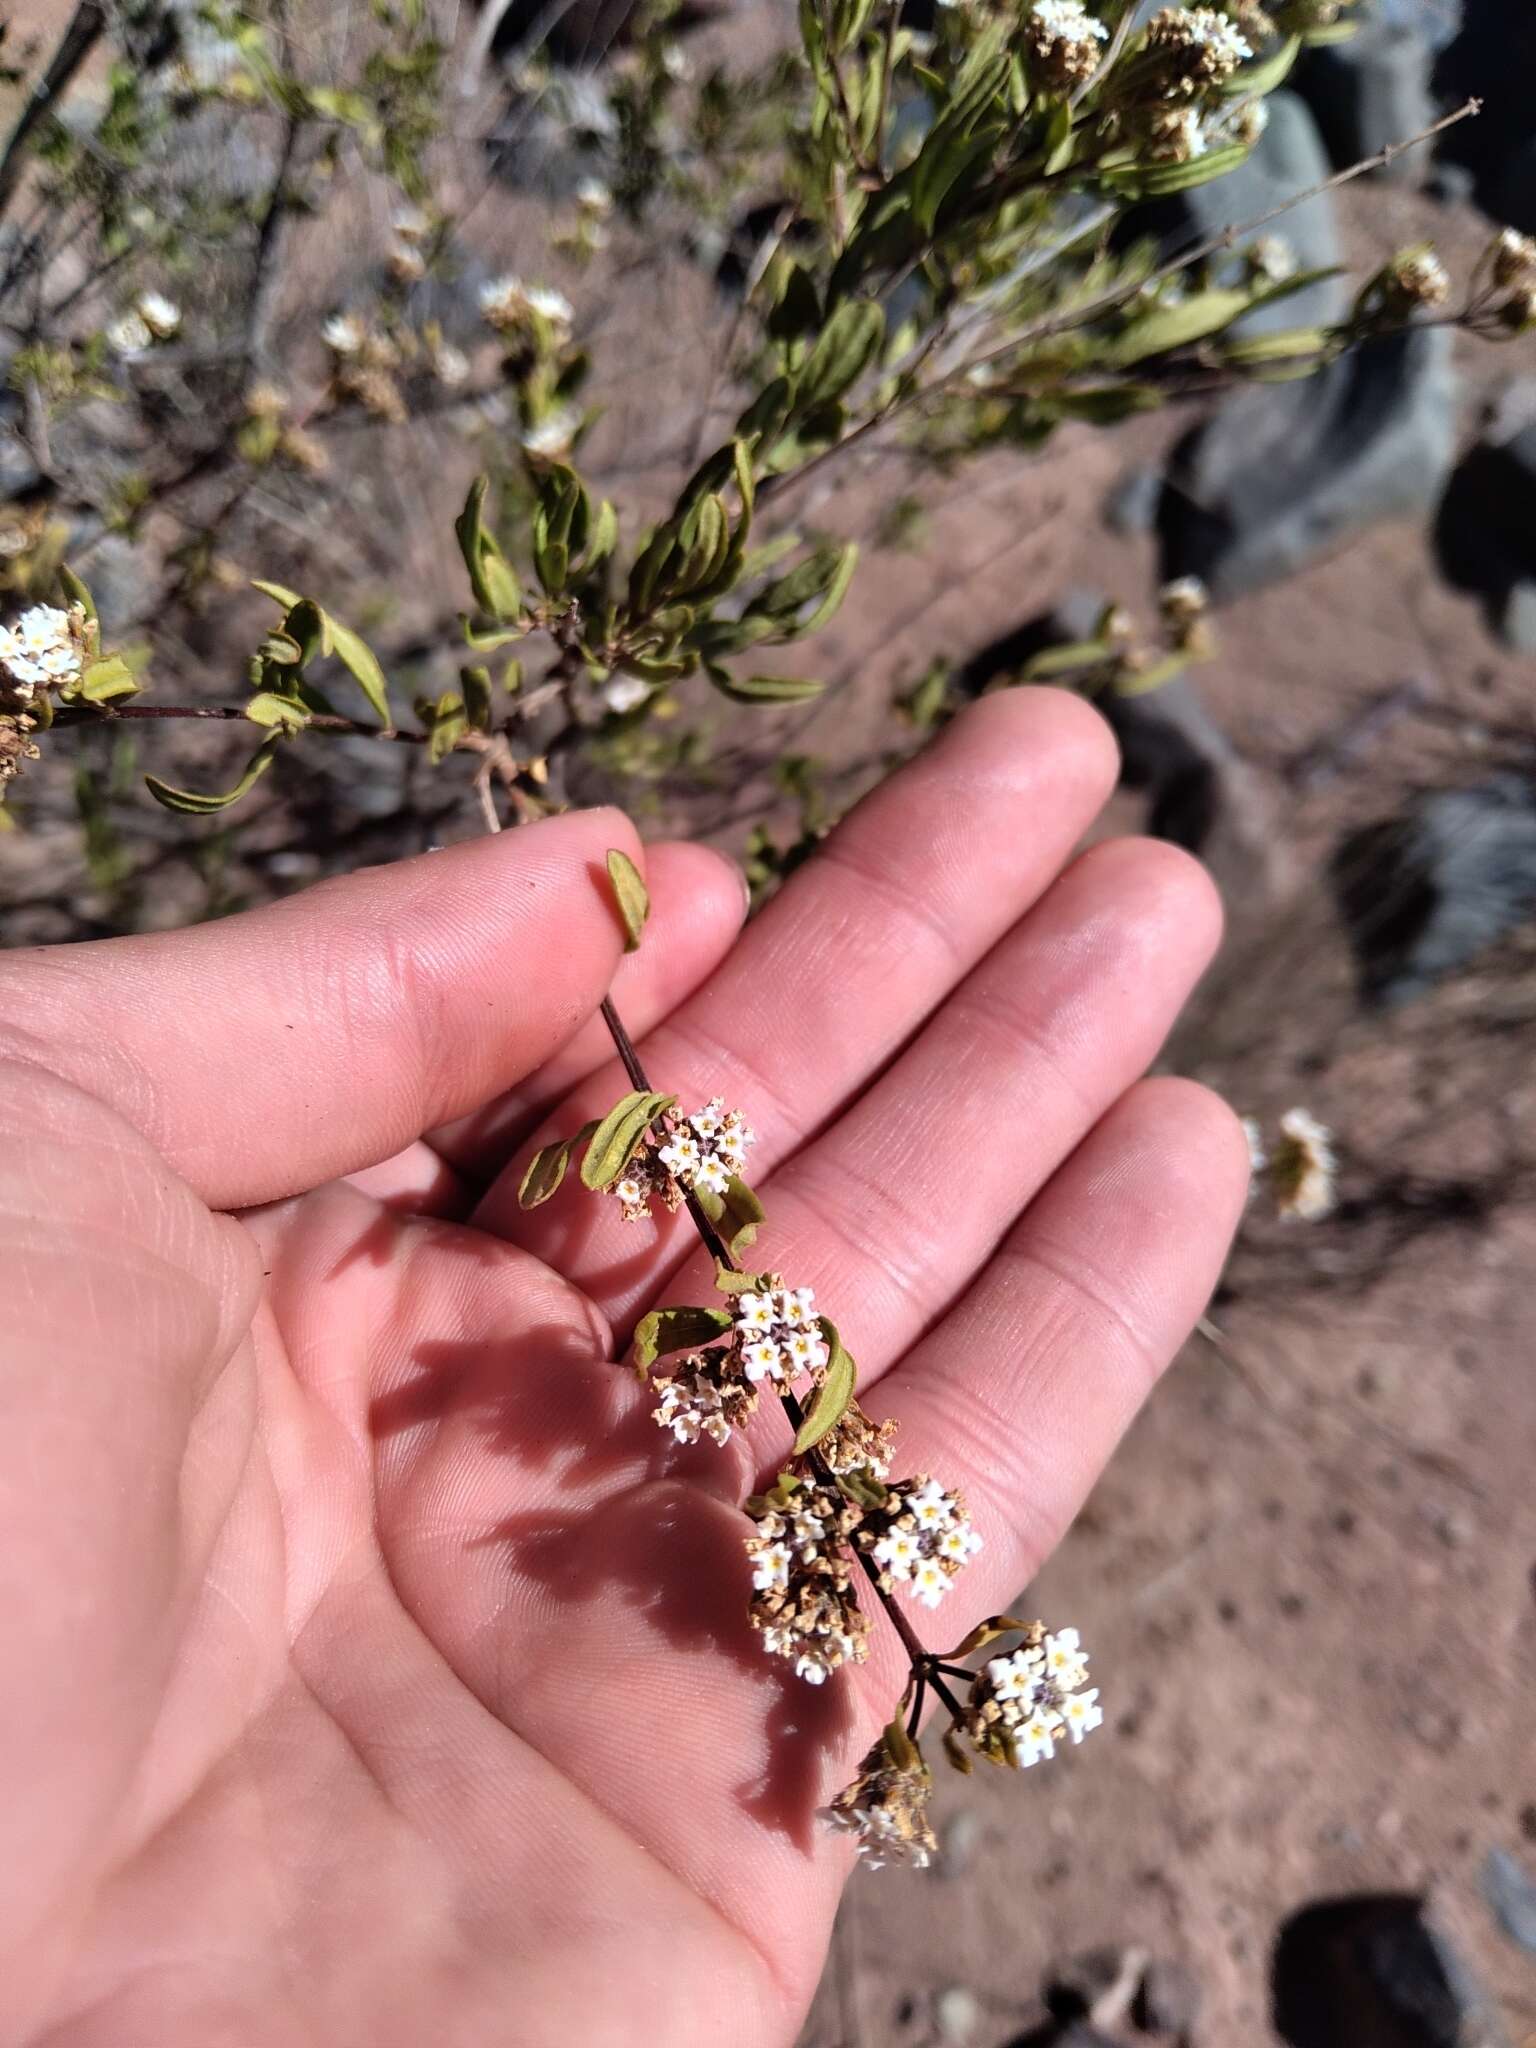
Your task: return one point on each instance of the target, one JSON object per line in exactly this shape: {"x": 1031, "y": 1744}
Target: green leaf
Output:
{"x": 476, "y": 686}
{"x": 1156, "y": 181}
{"x": 1172, "y": 327}
{"x": 270, "y": 709}
{"x": 74, "y": 591}
{"x": 666, "y": 1330}
{"x": 899, "y": 1746}
{"x": 360, "y": 660}
{"x": 491, "y": 575}
{"x": 763, "y": 689}
{"x": 630, "y": 894}
{"x": 740, "y": 1283}
{"x": 619, "y": 1136}
{"x": 848, "y": 344}
{"x": 832, "y": 1396}
{"x": 835, "y": 592}
{"x": 1061, "y": 661}
{"x": 1142, "y": 682}
{"x": 200, "y": 803}
{"x": 736, "y": 1214}
{"x": 986, "y": 1632}
{"x": 1290, "y": 343}
{"x": 279, "y": 591}
{"x": 106, "y": 678}
{"x": 1264, "y": 76}
{"x": 547, "y": 1168}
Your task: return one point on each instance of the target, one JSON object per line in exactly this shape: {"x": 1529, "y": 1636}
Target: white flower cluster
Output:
{"x": 1023, "y": 1704}
{"x": 1514, "y": 259}
{"x": 885, "y": 1809}
{"x": 920, "y": 1538}
{"x": 1200, "y": 49}
{"x": 1063, "y": 40}
{"x": 40, "y": 650}
{"x": 554, "y": 436}
{"x": 507, "y": 304}
{"x": 699, "y": 1400}
{"x": 151, "y": 318}
{"x": 707, "y": 1148}
{"x": 803, "y": 1605}
{"x": 701, "y": 1152}
{"x": 1422, "y": 278}
{"x": 778, "y": 1336}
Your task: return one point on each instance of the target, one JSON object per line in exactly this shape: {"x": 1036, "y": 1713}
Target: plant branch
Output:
{"x": 79, "y": 39}
{"x": 91, "y": 714}
{"x": 922, "y": 1661}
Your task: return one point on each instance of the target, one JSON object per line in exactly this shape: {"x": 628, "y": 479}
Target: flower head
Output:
{"x": 1198, "y": 49}
{"x": 1514, "y": 259}
{"x": 1303, "y": 1168}
{"x": 702, "y": 1399}
{"x": 803, "y": 1605}
{"x": 885, "y": 1809}
{"x": 129, "y": 335}
{"x": 345, "y": 334}
{"x": 1024, "y": 1702}
{"x": 622, "y": 693}
{"x": 43, "y": 649}
{"x": 920, "y": 1536}
{"x": 551, "y": 439}
{"x": 1063, "y": 41}
{"x": 1420, "y": 278}
{"x": 160, "y": 315}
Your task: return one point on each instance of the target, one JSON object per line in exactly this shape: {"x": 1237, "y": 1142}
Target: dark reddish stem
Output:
{"x": 93, "y": 714}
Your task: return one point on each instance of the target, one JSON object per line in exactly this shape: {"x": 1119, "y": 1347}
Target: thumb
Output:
{"x": 275, "y": 1050}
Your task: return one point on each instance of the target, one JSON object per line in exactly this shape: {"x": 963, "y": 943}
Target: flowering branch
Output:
{"x": 833, "y": 1506}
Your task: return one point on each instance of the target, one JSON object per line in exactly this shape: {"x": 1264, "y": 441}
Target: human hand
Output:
{"x": 376, "y": 1671}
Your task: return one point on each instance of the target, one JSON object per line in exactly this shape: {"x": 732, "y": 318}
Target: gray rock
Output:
{"x": 1424, "y": 893}
{"x": 1283, "y": 473}
{"x": 1434, "y": 22}
{"x": 1289, "y": 158}
{"x": 18, "y": 472}
{"x": 1371, "y": 91}
{"x": 1131, "y": 506}
{"x": 1511, "y": 1892}
{"x": 1517, "y": 617}
{"x": 1376, "y": 1972}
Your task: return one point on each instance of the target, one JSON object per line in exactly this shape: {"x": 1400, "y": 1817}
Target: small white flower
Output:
{"x": 959, "y": 1542}
{"x": 553, "y": 436}
{"x": 677, "y": 64}
{"x": 160, "y": 315}
{"x": 1065, "y": 1664}
{"x": 930, "y": 1582}
{"x": 812, "y": 1670}
{"x": 754, "y": 1311}
{"x": 411, "y": 223}
{"x": 681, "y": 1157}
{"x": 1034, "y": 1737}
{"x": 762, "y": 1360}
{"x": 550, "y": 305}
{"x": 593, "y": 197}
{"x": 713, "y": 1175}
{"x": 450, "y": 365}
{"x": 1080, "y": 1714}
{"x": 770, "y": 1568}
{"x": 805, "y": 1353}
{"x": 898, "y": 1553}
{"x": 932, "y": 1506}
{"x": 809, "y": 1529}
{"x": 344, "y": 334}
{"x": 707, "y": 1121}
{"x": 1015, "y": 1677}
{"x": 129, "y": 335}
{"x": 622, "y": 693}
{"x": 1069, "y": 21}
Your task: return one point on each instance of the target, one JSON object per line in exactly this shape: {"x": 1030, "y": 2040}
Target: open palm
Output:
{"x": 375, "y": 1671}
